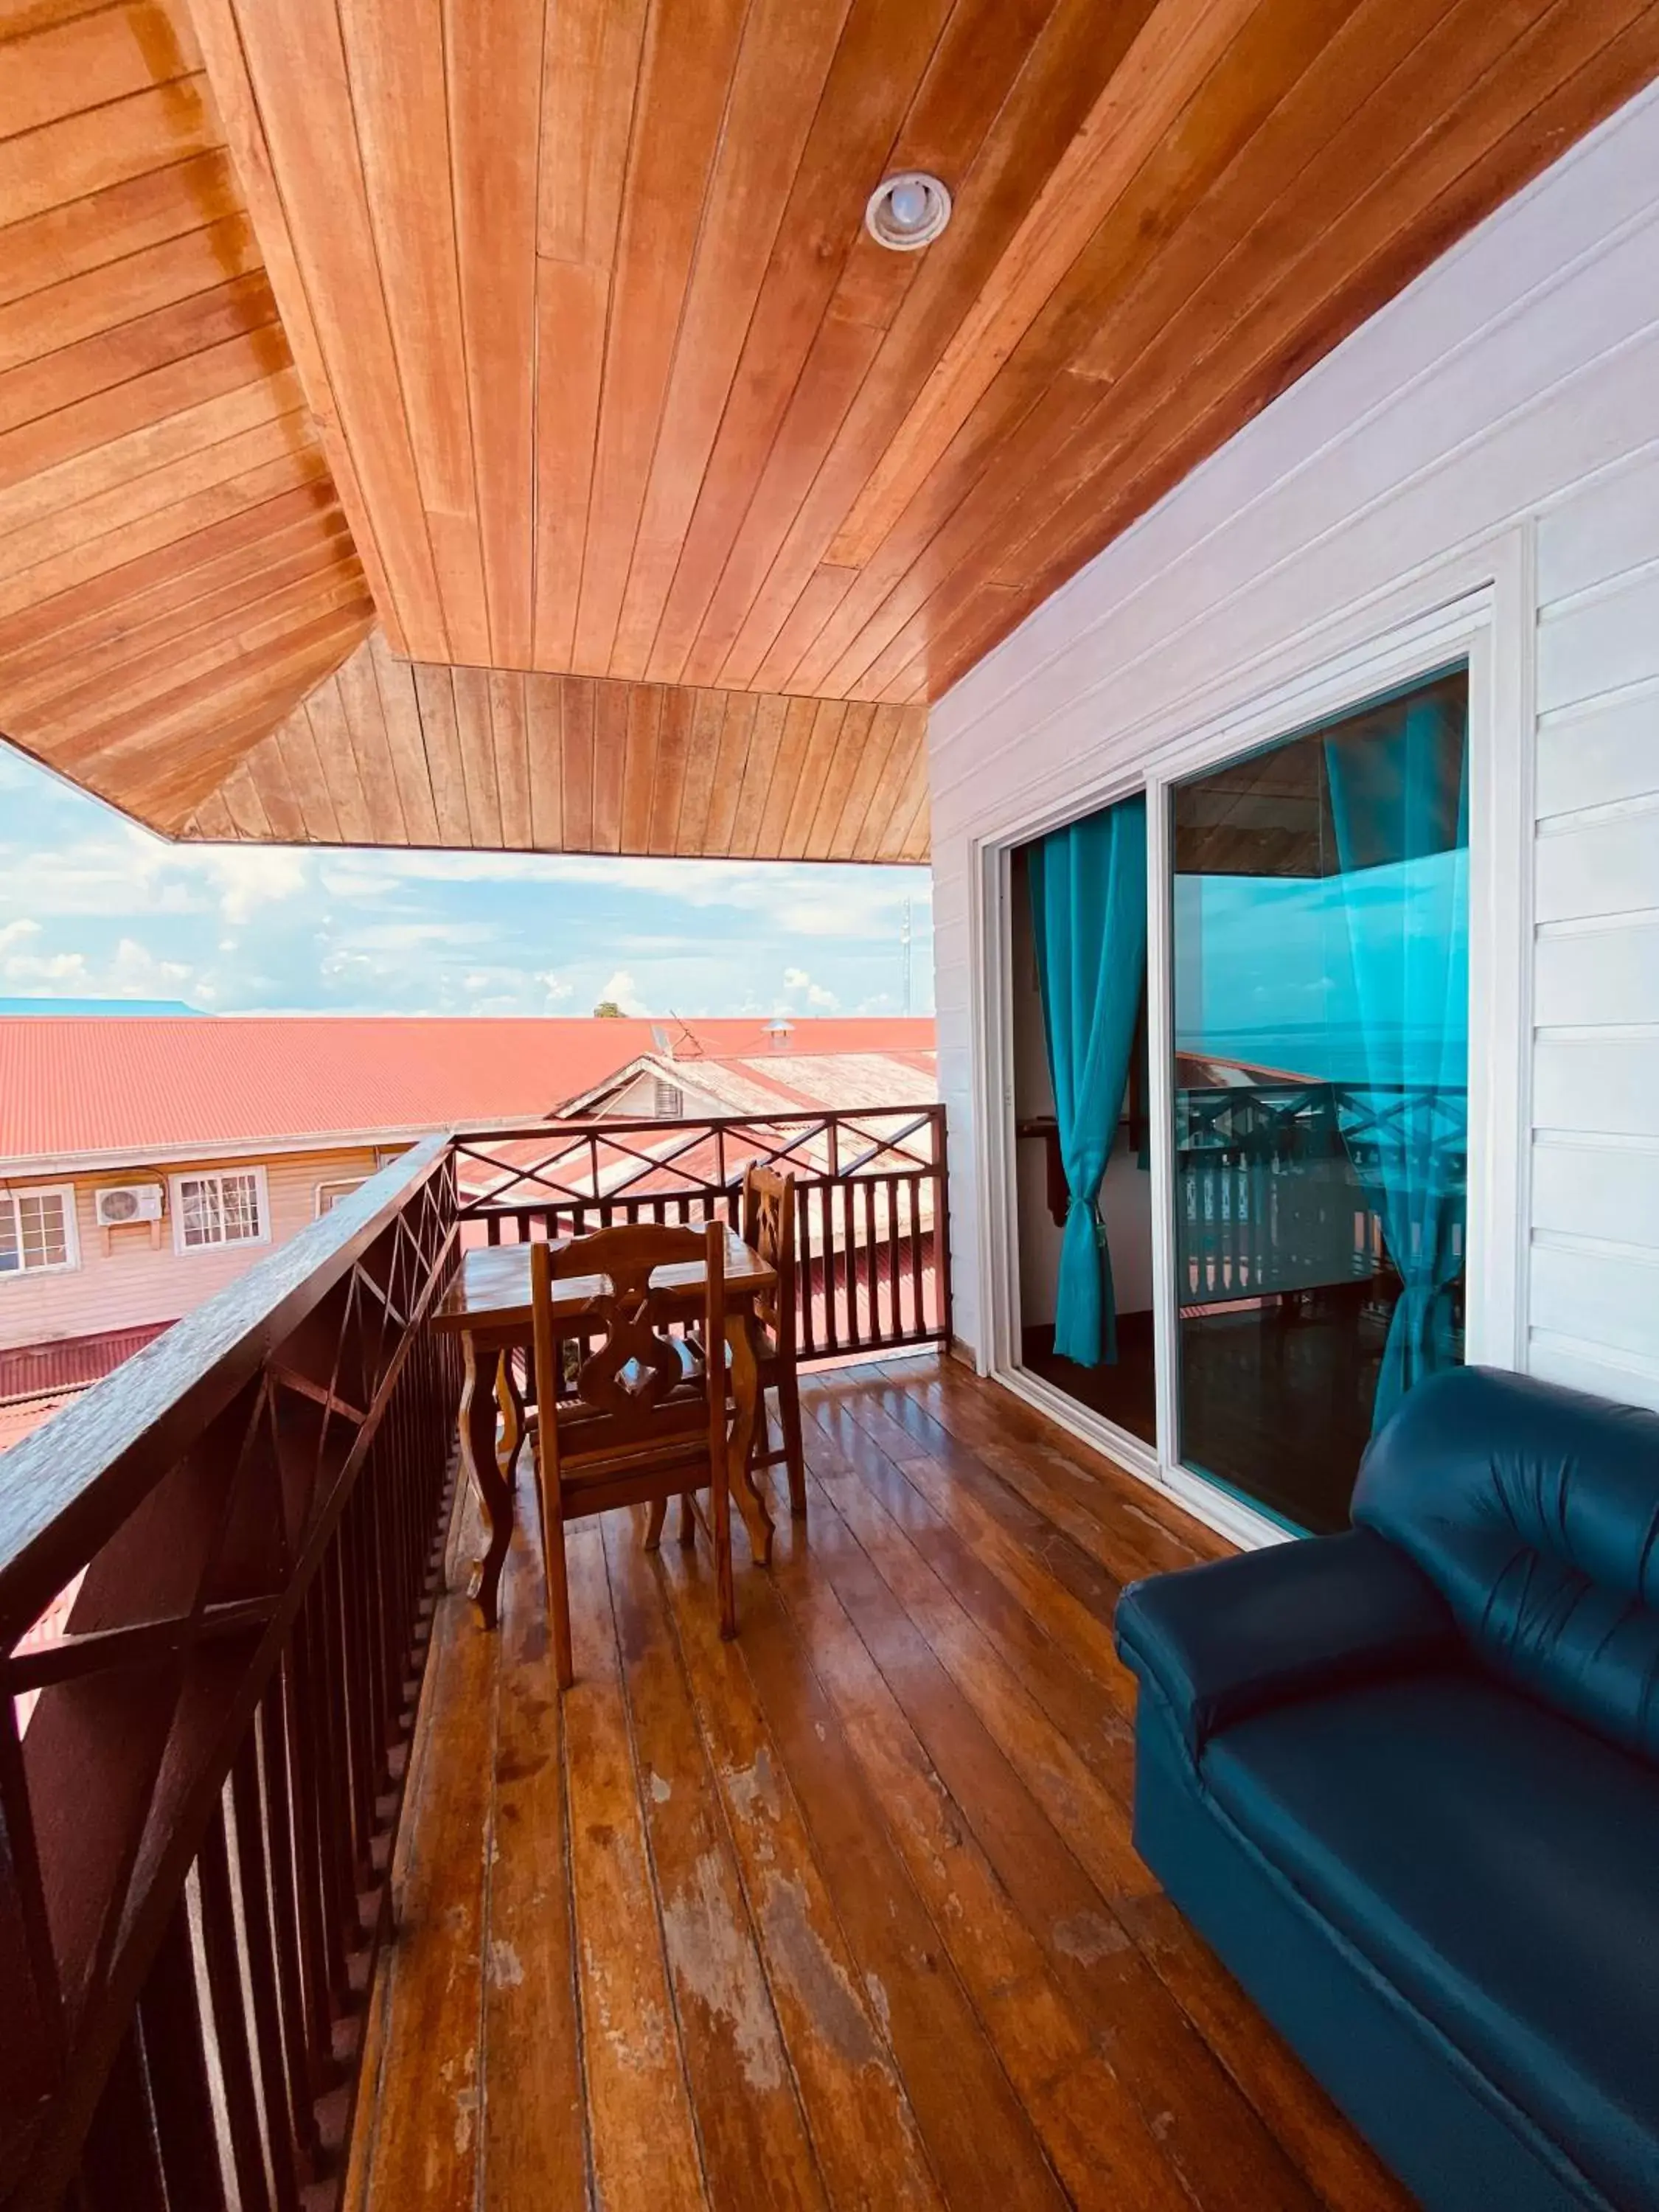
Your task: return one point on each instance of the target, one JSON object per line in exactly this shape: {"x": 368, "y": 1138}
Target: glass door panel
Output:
{"x": 1320, "y": 958}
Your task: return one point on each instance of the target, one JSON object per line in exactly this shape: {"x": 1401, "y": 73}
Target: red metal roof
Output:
{"x": 77, "y": 1084}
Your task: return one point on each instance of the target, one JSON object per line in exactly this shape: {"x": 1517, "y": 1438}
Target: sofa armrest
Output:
{"x": 1219, "y": 1642}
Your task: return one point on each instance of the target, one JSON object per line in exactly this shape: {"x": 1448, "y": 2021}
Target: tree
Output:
{"x": 607, "y": 1011}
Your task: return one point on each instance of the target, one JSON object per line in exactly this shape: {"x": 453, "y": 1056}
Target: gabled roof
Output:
{"x": 72, "y": 1085}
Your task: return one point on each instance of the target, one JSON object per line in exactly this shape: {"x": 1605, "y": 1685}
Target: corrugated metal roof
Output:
{"x": 77, "y": 1085}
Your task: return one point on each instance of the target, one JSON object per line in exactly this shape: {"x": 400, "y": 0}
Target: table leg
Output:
{"x": 514, "y": 1425}
{"x": 746, "y": 1397}
{"x": 478, "y": 1388}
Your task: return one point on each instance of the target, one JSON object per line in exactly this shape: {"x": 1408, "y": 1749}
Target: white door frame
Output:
{"x": 1479, "y": 609}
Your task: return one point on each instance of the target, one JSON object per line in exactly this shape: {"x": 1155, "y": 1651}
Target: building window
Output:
{"x": 37, "y": 1229}
{"x": 329, "y": 1194}
{"x": 220, "y": 1209}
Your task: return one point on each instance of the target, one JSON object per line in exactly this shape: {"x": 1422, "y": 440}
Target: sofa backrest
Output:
{"x": 1535, "y": 1513}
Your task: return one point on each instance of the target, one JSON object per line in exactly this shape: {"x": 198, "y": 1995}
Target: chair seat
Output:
{"x": 1496, "y": 1864}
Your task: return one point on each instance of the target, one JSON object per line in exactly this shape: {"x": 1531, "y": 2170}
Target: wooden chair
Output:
{"x": 646, "y": 1423}
{"x": 768, "y": 1228}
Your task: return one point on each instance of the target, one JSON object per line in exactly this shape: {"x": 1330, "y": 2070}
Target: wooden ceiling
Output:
{"x": 387, "y": 752}
{"x": 593, "y": 369}
{"x": 175, "y": 570}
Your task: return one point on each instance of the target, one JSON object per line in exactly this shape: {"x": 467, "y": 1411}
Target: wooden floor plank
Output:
{"x": 846, "y": 1912}
{"x": 644, "y": 2147}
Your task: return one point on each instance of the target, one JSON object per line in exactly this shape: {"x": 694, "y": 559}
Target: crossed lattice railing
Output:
{"x": 201, "y": 1759}
{"x": 871, "y": 1218}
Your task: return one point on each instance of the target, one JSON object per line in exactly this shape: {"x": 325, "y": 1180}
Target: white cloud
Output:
{"x": 624, "y": 991}
{"x": 556, "y": 986}
{"x": 795, "y": 979}
{"x": 46, "y": 968}
{"x": 13, "y": 931}
{"x": 249, "y": 876}
{"x": 826, "y": 1001}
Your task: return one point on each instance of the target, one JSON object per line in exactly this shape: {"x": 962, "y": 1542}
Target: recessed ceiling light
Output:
{"x": 908, "y": 210}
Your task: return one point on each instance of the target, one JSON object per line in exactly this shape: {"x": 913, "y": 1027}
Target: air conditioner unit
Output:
{"x": 121, "y": 1202}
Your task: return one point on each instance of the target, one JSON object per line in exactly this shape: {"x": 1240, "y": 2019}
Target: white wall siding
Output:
{"x": 1508, "y": 399}
{"x": 1593, "y": 1307}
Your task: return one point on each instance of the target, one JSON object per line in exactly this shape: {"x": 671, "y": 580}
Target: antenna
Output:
{"x": 904, "y": 952}
{"x": 693, "y": 1047}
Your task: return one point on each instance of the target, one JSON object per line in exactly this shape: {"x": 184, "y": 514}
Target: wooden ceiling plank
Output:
{"x": 119, "y": 602}
{"x": 543, "y": 708}
{"x": 688, "y": 833}
{"x": 897, "y": 772}
{"x": 572, "y": 302}
{"x": 87, "y": 153}
{"x": 914, "y": 839}
{"x": 255, "y": 356}
{"x": 611, "y": 720}
{"x": 197, "y": 712}
{"x": 645, "y": 708}
{"x": 152, "y": 448}
{"x": 1223, "y": 358}
{"x": 879, "y": 61}
{"x": 49, "y": 319}
{"x": 279, "y": 76}
{"x": 1175, "y": 47}
{"x": 493, "y": 73}
{"x": 215, "y": 651}
{"x": 909, "y": 799}
{"x": 478, "y": 743}
{"x": 110, "y": 361}
{"x": 64, "y": 684}
{"x": 885, "y": 724}
{"x": 76, "y": 533}
{"x": 829, "y": 385}
{"x": 240, "y": 793}
{"x": 274, "y": 793}
{"x": 92, "y": 60}
{"x": 826, "y": 593}
{"x": 297, "y": 743}
{"x": 440, "y": 734}
{"x": 1044, "y": 109}
{"x": 846, "y": 761}
{"x": 76, "y": 240}
{"x": 395, "y": 57}
{"x": 816, "y": 769}
{"x": 589, "y": 83}
{"x": 794, "y": 737}
{"x": 737, "y": 718}
{"x": 239, "y": 491}
{"x": 782, "y": 67}
{"x": 366, "y": 728}
{"x": 400, "y": 712}
{"x": 668, "y": 771}
{"x": 690, "y": 48}
{"x": 576, "y": 713}
{"x": 336, "y": 749}
{"x": 509, "y": 728}
{"x": 759, "y": 765}
{"x": 211, "y": 821}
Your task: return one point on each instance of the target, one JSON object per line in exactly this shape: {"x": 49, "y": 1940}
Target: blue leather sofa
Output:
{"x": 1405, "y": 1782}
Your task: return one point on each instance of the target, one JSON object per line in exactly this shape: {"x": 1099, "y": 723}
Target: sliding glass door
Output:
{"x": 1319, "y": 970}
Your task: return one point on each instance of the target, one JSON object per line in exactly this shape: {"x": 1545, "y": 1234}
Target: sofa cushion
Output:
{"x": 1535, "y": 1513}
{"x": 1496, "y": 1865}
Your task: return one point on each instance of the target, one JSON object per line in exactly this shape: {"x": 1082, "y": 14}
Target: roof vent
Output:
{"x": 908, "y": 211}
{"x": 779, "y": 1030}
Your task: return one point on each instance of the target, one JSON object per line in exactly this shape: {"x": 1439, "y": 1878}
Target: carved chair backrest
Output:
{"x": 633, "y": 1385}
{"x": 768, "y": 1226}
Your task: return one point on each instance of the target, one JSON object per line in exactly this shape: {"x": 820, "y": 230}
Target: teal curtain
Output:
{"x": 1399, "y": 809}
{"x": 1087, "y": 886}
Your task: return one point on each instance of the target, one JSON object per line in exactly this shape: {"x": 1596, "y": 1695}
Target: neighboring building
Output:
{"x": 145, "y": 1163}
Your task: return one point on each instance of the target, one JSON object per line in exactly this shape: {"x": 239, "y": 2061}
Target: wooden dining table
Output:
{"x": 488, "y": 1305}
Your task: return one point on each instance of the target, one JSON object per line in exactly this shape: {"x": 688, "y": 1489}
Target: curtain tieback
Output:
{"x": 1091, "y": 1206}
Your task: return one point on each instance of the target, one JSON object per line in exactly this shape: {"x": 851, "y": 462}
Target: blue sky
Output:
{"x": 94, "y": 907}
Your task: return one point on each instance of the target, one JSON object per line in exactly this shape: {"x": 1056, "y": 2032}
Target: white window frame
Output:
{"x": 64, "y": 1193}
{"x": 176, "y": 1205}
{"x": 342, "y": 1186}
{"x": 1479, "y": 610}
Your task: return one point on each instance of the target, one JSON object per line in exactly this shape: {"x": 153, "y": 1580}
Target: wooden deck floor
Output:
{"x": 845, "y": 1913}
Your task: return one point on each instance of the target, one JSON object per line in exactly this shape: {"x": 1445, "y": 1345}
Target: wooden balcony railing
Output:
{"x": 217, "y": 1573}
{"x": 200, "y": 1771}
{"x": 871, "y": 1222}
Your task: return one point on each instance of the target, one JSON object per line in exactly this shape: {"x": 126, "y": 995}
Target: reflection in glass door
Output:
{"x": 1320, "y": 955}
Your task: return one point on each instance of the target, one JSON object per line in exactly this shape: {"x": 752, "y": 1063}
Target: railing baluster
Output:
{"x": 298, "y": 2034}
{"x": 170, "y": 2018}
{"x": 253, "y": 1891}
{"x": 120, "y": 2168}
{"x": 230, "y": 2036}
